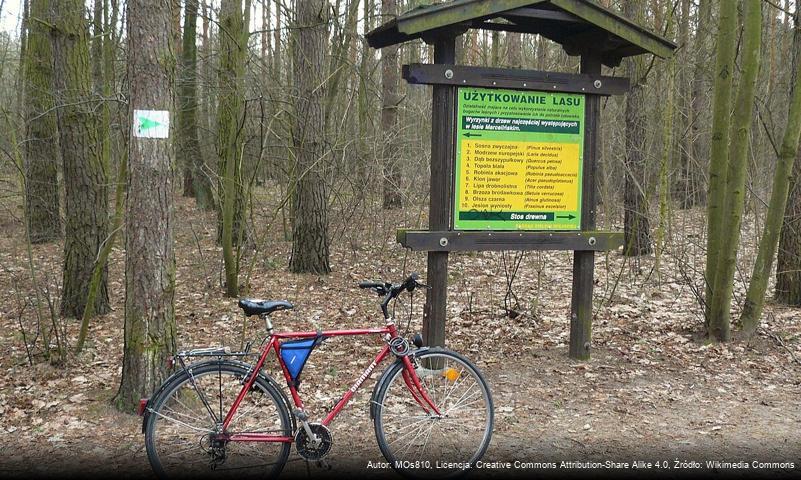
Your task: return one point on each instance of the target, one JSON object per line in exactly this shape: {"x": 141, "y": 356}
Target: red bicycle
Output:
{"x": 431, "y": 408}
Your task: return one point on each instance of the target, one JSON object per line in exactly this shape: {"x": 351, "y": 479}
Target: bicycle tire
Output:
{"x": 178, "y": 423}
{"x": 447, "y": 378}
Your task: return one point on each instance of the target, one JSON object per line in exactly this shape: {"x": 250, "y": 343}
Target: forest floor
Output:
{"x": 653, "y": 391}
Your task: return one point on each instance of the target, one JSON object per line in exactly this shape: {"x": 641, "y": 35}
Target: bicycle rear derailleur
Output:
{"x": 215, "y": 448}
{"x": 316, "y": 447}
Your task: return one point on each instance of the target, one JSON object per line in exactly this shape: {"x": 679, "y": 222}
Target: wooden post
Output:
{"x": 583, "y": 260}
{"x": 440, "y": 201}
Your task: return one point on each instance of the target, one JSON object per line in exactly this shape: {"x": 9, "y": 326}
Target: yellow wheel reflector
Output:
{"x": 451, "y": 374}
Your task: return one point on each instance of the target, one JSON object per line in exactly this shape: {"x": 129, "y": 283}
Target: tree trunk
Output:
{"x": 150, "y": 258}
{"x": 229, "y": 138}
{"x": 755, "y": 298}
{"x": 103, "y": 72}
{"x": 788, "y": 24}
{"x": 788, "y": 262}
{"x": 719, "y": 155}
{"x": 175, "y": 13}
{"x": 696, "y": 190}
{"x": 310, "y": 229}
{"x": 106, "y": 89}
{"x": 495, "y": 50}
{"x": 188, "y": 142}
{"x": 97, "y": 46}
{"x": 668, "y": 145}
{"x": 682, "y": 190}
{"x": 472, "y": 53}
{"x": 771, "y": 44}
{"x": 542, "y": 53}
{"x": 110, "y": 83}
{"x": 656, "y": 11}
{"x": 41, "y": 146}
{"x": 514, "y": 50}
{"x": 732, "y": 211}
{"x": 266, "y": 35}
{"x": 183, "y": 140}
{"x": 339, "y": 61}
{"x": 206, "y": 105}
{"x": 636, "y": 226}
{"x": 276, "y": 64}
{"x": 389, "y": 116}
{"x": 19, "y": 78}
{"x": 365, "y": 125}
{"x": 102, "y": 257}
{"x": 85, "y": 180}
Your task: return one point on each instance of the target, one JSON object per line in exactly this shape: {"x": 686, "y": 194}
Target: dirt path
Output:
{"x": 651, "y": 392}
{"x": 547, "y": 410}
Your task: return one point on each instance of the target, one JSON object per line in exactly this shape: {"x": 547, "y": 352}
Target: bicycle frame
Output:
{"x": 410, "y": 378}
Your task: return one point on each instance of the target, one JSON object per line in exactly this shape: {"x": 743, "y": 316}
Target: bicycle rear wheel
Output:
{"x": 181, "y": 430}
{"x": 418, "y": 443}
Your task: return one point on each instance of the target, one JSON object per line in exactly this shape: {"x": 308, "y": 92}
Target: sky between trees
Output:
{"x": 11, "y": 14}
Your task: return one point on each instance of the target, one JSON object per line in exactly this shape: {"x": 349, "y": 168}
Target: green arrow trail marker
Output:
{"x": 145, "y": 123}
{"x": 151, "y": 123}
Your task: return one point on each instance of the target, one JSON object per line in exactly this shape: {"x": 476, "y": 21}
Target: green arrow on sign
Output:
{"x": 146, "y": 123}
{"x": 468, "y": 134}
{"x": 569, "y": 217}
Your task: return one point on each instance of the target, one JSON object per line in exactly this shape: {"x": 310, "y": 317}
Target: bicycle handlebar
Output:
{"x": 390, "y": 291}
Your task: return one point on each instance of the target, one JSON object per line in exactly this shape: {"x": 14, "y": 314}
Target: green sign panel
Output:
{"x": 518, "y": 160}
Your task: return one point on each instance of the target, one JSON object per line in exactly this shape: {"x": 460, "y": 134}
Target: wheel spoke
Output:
{"x": 176, "y": 444}
{"x": 422, "y": 431}
{"x": 407, "y": 430}
{"x": 465, "y": 400}
{"x": 184, "y": 424}
{"x": 174, "y": 454}
{"x": 184, "y": 415}
{"x": 452, "y": 388}
{"x": 460, "y": 435}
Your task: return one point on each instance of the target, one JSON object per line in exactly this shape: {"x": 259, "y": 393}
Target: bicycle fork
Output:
{"x": 412, "y": 381}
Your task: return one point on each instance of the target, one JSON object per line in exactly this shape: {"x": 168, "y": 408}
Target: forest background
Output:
{"x": 296, "y": 153}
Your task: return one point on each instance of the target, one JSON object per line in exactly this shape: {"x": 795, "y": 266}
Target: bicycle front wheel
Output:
{"x": 416, "y": 441}
{"x": 182, "y": 430}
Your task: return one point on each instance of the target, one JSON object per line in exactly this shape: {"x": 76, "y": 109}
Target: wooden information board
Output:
{"x": 519, "y": 157}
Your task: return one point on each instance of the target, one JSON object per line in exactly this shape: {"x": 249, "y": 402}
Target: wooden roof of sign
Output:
{"x": 578, "y": 25}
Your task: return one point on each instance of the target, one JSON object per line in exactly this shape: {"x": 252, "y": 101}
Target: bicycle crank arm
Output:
{"x": 304, "y": 421}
